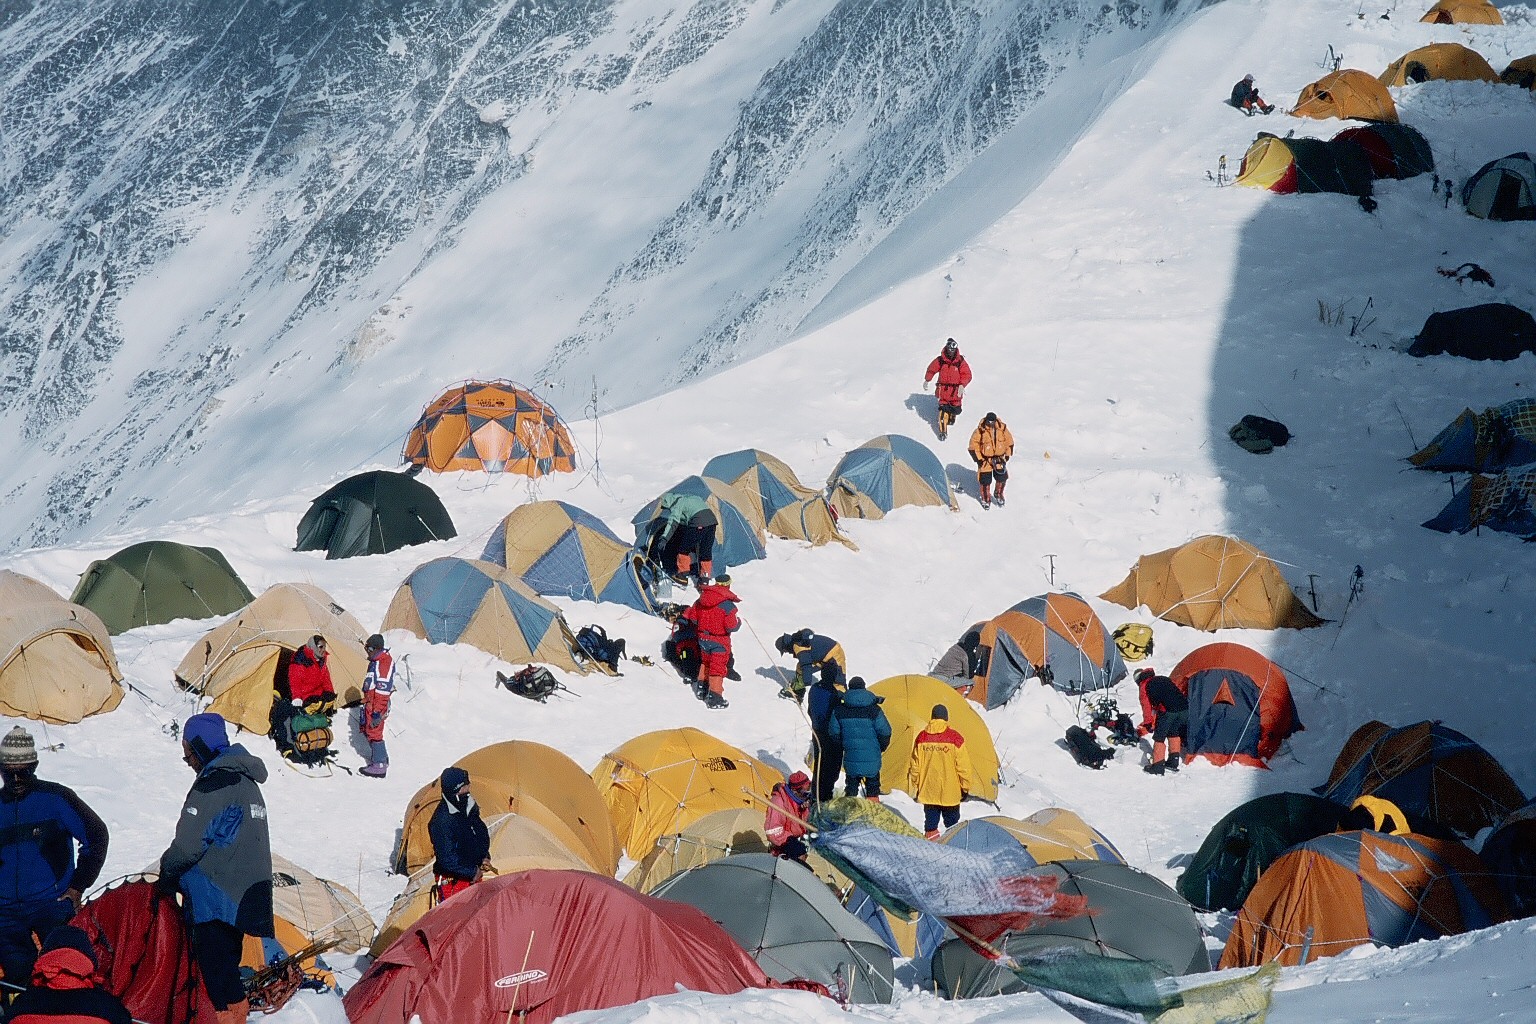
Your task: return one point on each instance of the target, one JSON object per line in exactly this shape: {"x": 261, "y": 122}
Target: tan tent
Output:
{"x": 1441, "y": 61}
{"x": 1521, "y": 72}
{"x": 713, "y": 837}
{"x": 518, "y": 843}
{"x": 908, "y": 703}
{"x": 237, "y": 662}
{"x": 1058, "y": 834}
{"x": 319, "y": 908}
{"x": 657, "y": 783}
{"x": 529, "y": 779}
{"x": 1463, "y": 12}
{"x": 1347, "y": 95}
{"x": 467, "y": 601}
{"x": 790, "y": 509}
{"x": 56, "y": 660}
{"x": 1212, "y": 583}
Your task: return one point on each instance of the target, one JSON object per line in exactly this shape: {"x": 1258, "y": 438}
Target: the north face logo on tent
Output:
{"x": 521, "y": 978}
{"x": 719, "y": 764}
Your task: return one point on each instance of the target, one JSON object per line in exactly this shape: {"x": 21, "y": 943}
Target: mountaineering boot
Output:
{"x": 374, "y": 770}
{"x": 997, "y": 496}
{"x": 715, "y": 702}
{"x": 1155, "y": 768}
{"x": 932, "y": 837}
{"x": 1172, "y": 764}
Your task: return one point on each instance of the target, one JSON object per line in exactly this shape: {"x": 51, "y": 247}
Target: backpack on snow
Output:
{"x": 534, "y": 682}
{"x": 1084, "y": 750}
{"x": 309, "y": 738}
{"x": 1134, "y": 641}
{"x": 593, "y": 642}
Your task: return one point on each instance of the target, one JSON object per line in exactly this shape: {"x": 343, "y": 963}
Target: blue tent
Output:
{"x": 739, "y": 537}
{"x": 1498, "y": 438}
{"x": 1505, "y": 502}
{"x": 564, "y": 551}
{"x": 887, "y": 472}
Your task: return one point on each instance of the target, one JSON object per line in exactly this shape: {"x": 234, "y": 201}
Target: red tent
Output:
{"x": 146, "y": 954}
{"x": 534, "y": 945}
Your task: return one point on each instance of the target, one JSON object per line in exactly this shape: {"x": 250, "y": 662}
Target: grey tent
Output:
{"x": 1503, "y": 189}
{"x": 1494, "y": 330}
{"x": 790, "y": 922}
{"x": 1133, "y": 916}
{"x": 372, "y": 513}
{"x": 1248, "y": 840}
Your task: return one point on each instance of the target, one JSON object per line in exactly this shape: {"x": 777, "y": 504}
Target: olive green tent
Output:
{"x": 1248, "y": 840}
{"x": 158, "y": 581}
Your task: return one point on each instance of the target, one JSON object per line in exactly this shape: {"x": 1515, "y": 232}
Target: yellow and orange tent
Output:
{"x": 1438, "y": 61}
{"x": 494, "y": 426}
{"x": 1463, "y": 12}
{"x": 1346, "y": 95}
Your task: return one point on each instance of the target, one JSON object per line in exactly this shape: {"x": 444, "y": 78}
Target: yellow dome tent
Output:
{"x": 1438, "y": 61}
{"x": 717, "y": 835}
{"x": 659, "y": 782}
{"x": 56, "y": 660}
{"x": 533, "y": 781}
{"x": 1058, "y": 834}
{"x": 1347, "y": 95}
{"x": 496, "y": 426}
{"x": 518, "y": 843}
{"x": 237, "y": 662}
{"x": 1213, "y": 582}
{"x": 908, "y": 703}
{"x": 1521, "y": 72}
{"x": 1463, "y": 12}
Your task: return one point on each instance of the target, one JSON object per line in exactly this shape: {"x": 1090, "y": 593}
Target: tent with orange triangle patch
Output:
{"x": 1240, "y": 705}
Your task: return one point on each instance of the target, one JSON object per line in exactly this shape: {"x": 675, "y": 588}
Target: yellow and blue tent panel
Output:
{"x": 461, "y": 600}
{"x": 884, "y": 473}
{"x": 563, "y": 551}
{"x": 790, "y": 509}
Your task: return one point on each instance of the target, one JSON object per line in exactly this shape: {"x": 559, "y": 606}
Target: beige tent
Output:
{"x": 529, "y": 779}
{"x": 717, "y": 835}
{"x": 237, "y": 662}
{"x": 517, "y": 844}
{"x": 1463, "y": 12}
{"x": 1347, "y": 95}
{"x": 656, "y": 784}
{"x": 790, "y": 509}
{"x": 467, "y": 601}
{"x": 56, "y": 660}
{"x": 1212, "y": 583}
{"x": 319, "y": 908}
{"x": 1438, "y": 61}
{"x": 1058, "y": 834}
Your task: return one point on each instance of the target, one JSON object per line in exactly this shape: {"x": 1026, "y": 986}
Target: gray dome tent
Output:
{"x": 372, "y": 513}
{"x": 790, "y": 923}
{"x": 1133, "y": 916}
{"x": 1503, "y": 189}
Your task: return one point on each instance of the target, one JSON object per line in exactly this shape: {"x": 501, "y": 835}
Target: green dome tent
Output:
{"x": 789, "y": 921}
{"x": 158, "y": 581}
{"x": 1132, "y": 916}
{"x": 373, "y": 513}
{"x": 1248, "y": 840}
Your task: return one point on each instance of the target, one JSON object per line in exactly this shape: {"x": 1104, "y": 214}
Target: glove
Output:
{"x": 166, "y": 887}
{"x": 1142, "y": 730}
{"x": 977, "y": 459}
{"x": 959, "y": 392}
{"x": 375, "y": 720}
{"x": 925, "y": 385}
{"x": 297, "y": 702}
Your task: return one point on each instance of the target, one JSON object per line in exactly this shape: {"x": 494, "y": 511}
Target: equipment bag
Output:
{"x": 593, "y": 642}
{"x": 1084, "y": 750}
{"x": 534, "y": 682}
{"x": 1134, "y": 641}
{"x": 310, "y": 738}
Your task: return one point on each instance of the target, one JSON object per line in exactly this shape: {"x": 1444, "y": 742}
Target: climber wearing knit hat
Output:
{"x": 940, "y": 775}
{"x": 41, "y": 874}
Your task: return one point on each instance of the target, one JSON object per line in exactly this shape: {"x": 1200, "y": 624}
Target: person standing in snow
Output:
{"x": 1165, "y": 714}
{"x": 954, "y": 373}
{"x": 860, "y": 726}
{"x": 378, "y": 689}
{"x": 1246, "y": 98}
{"x": 461, "y": 844}
{"x": 785, "y": 821}
{"x": 714, "y": 616}
{"x": 940, "y": 775}
{"x": 991, "y": 447}
{"x": 41, "y": 878}
{"x": 221, "y": 859}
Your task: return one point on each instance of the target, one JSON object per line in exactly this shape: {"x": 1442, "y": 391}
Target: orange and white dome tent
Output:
{"x": 493, "y": 426}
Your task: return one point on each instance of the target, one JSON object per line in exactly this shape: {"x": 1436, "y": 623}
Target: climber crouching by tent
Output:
{"x": 682, "y": 537}
{"x": 1164, "y": 714}
{"x": 819, "y": 661}
{"x": 1246, "y": 98}
{"x": 66, "y": 986}
{"x": 784, "y": 823}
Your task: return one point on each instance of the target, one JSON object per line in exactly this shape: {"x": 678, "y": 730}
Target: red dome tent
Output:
{"x": 145, "y": 954}
{"x": 536, "y": 945}
{"x": 1240, "y": 706}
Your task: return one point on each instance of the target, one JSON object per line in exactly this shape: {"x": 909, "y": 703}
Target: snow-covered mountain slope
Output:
{"x": 1120, "y": 316}
{"x": 226, "y": 216}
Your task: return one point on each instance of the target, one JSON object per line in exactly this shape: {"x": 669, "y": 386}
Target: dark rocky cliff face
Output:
{"x": 200, "y": 195}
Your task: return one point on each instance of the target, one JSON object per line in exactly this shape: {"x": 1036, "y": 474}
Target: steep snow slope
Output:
{"x": 226, "y": 215}
{"x": 1120, "y": 317}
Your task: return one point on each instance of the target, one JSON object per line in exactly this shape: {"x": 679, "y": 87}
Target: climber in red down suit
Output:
{"x": 954, "y": 374}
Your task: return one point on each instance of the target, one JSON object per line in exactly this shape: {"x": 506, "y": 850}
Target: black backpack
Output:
{"x": 593, "y": 642}
{"x": 1086, "y": 752}
{"x": 534, "y": 682}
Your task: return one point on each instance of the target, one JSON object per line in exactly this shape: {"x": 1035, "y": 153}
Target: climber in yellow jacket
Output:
{"x": 940, "y": 773}
{"x": 991, "y": 447}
